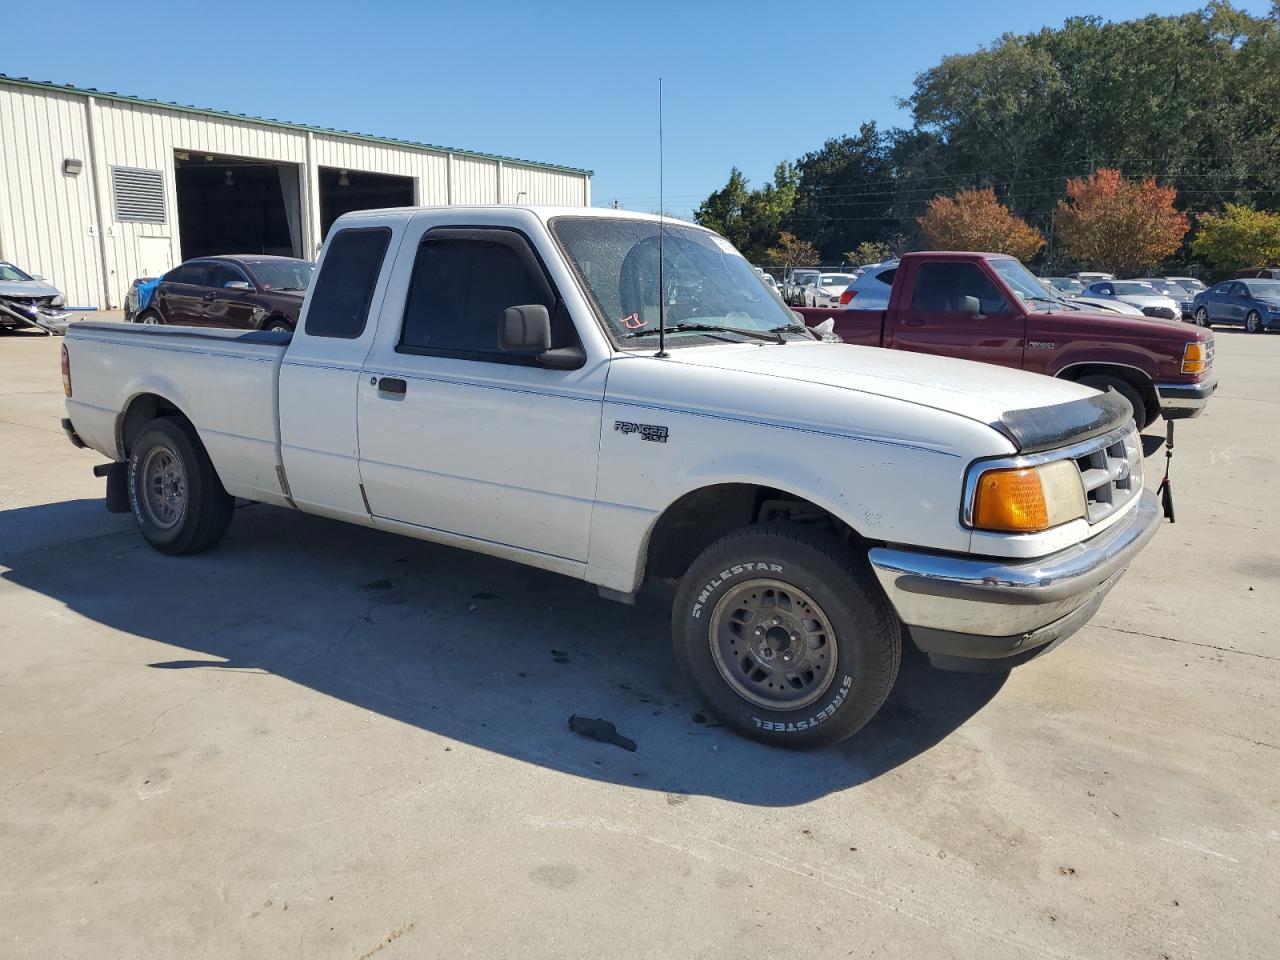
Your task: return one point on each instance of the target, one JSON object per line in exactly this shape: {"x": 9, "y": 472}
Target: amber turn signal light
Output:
{"x": 1010, "y": 500}
{"x": 1195, "y": 358}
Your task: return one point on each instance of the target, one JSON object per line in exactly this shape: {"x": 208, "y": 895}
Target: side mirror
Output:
{"x": 237, "y": 285}
{"x": 526, "y": 327}
{"x": 971, "y": 306}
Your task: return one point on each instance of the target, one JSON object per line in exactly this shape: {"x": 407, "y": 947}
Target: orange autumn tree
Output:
{"x": 1127, "y": 227}
{"x": 976, "y": 220}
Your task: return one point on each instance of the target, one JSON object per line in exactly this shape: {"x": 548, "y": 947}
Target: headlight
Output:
{"x": 1273, "y": 309}
{"x": 58, "y": 301}
{"x": 1028, "y": 499}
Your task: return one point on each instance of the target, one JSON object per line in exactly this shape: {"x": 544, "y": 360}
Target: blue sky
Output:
{"x": 573, "y": 83}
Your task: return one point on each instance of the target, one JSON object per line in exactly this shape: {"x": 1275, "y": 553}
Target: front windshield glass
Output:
{"x": 9, "y": 272}
{"x": 706, "y": 280}
{"x": 1169, "y": 288}
{"x": 1267, "y": 289}
{"x": 1133, "y": 289}
{"x": 1023, "y": 282}
{"x": 284, "y": 274}
{"x": 1066, "y": 285}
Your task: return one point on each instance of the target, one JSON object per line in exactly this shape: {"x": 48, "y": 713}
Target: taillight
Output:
{"x": 66, "y": 371}
{"x": 847, "y": 296}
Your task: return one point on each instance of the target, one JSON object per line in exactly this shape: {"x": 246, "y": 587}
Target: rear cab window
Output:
{"x": 339, "y": 305}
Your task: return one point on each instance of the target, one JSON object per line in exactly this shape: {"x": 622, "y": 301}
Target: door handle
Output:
{"x": 392, "y": 385}
{"x": 913, "y": 323}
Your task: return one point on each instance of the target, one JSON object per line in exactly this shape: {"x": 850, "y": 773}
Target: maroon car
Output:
{"x": 987, "y": 307}
{"x": 250, "y": 291}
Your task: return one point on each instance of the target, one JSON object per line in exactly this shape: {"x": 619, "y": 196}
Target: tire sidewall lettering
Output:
{"x": 724, "y": 575}
{"x": 826, "y": 713}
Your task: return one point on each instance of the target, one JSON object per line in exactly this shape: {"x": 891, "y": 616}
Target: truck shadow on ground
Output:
{"x": 479, "y": 650}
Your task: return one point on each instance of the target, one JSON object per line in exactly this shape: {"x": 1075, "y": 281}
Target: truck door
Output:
{"x": 930, "y": 317}
{"x": 458, "y": 436}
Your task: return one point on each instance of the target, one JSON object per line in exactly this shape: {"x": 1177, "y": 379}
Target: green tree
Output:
{"x": 791, "y": 252}
{"x": 750, "y": 219}
{"x": 869, "y": 251}
{"x": 1239, "y": 238}
{"x": 723, "y": 210}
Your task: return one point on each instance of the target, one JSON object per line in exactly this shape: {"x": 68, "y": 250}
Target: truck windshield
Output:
{"x": 707, "y": 282}
{"x": 1024, "y": 283}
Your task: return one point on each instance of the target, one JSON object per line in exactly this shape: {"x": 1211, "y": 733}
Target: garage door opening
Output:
{"x": 342, "y": 191}
{"x": 237, "y": 205}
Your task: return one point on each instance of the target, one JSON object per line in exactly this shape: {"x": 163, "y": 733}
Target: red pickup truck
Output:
{"x": 989, "y": 307}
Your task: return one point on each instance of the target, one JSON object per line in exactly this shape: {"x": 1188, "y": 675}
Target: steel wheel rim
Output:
{"x": 164, "y": 487}
{"x": 773, "y": 644}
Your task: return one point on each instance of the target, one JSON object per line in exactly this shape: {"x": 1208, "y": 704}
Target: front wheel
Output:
{"x": 1104, "y": 382}
{"x": 1253, "y": 322}
{"x": 785, "y": 638}
{"x": 1202, "y": 317}
{"x": 150, "y": 318}
{"x": 280, "y": 326}
{"x": 177, "y": 500}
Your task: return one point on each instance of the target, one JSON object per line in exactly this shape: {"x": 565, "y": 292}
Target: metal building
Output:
{"x": 99, "y": 188}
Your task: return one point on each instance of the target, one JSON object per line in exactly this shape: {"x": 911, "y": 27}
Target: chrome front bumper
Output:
{"x": 1181, "y": 401}
{"x": 969, "y": 612}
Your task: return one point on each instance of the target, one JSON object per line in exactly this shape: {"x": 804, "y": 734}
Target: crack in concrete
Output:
{"x": 1194, "y": 643}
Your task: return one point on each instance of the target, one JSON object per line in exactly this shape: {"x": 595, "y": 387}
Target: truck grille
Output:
{"x": 1111, "y": 473}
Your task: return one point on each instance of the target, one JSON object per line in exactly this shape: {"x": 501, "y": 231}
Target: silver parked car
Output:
{"x": 1190, "y": 284}
{"x": 871, "y": 290}
{"x": 1175, "y": 291}
{"x": 1138, "y": 294}
{"x": 30, "y": 301}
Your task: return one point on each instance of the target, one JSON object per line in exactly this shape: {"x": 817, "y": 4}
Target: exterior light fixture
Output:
{"x": 72, "y": 167}
{"x": 343, "y": 181}
{"x": 228, "y": 179}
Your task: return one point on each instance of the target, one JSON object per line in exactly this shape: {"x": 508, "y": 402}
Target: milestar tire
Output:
{"x": 177, "y": 500}
{"x": 786, "y": 637}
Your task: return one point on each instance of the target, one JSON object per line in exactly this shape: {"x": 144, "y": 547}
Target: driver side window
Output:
{"x": 941, "y": 287}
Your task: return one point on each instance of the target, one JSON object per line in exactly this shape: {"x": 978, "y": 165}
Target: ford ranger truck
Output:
{"x": 989, "y": 307}
{"x": 496, "y": 379}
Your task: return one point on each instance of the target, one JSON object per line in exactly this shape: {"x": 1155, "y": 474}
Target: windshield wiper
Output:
{"x": 1051, "y": 300}
{"x": 796, "y": 328}
{"x": 770, "y": 336}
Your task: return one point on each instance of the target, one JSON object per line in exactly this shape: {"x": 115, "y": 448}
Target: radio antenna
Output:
{"x": 662, "y": 286}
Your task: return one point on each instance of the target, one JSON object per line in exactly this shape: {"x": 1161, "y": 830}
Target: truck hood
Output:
{"x": 978, "y": 391}
{"x": 27, "y": 288}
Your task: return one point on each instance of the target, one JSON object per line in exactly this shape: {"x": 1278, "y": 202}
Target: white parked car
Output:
{"x": 1087, "y": 277}
{"x": 1104, "y": 305}
{"x": 1138, "y": 294}
{"x": 30, "y": 301}
{"x": 797, "y": 280}
{"x": 826, "y": 289}
{"x": 491, "y": 378}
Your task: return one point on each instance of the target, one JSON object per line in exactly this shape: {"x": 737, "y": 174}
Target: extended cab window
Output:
{"x": 344, "y": 289}
{"x": 463, "y": 281}
{"x": 942, "y": 285}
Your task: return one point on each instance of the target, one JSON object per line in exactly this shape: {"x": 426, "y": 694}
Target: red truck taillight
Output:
{"x": 66, "y": 371}
{"x": 848, "y": 296}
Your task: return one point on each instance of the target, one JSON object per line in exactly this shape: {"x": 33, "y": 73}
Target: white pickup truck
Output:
{"x": 490, "y": 378}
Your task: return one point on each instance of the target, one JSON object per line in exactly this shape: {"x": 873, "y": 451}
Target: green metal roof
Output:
{"x": 328, "y": 131}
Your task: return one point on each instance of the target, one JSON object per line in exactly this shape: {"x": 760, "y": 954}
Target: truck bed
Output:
{"x": 863, "y": 327}
{"x": 224, "y": 381}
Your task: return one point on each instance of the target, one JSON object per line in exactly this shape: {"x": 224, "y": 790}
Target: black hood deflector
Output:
{"x": 1043, "y": 428}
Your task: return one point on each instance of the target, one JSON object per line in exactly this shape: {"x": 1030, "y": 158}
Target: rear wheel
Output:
{"x": 177, "y": 500}
{"x": 1105, "y": 382}
{"x": 1253, "y": 322}
{"x": 786, "y": 639}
